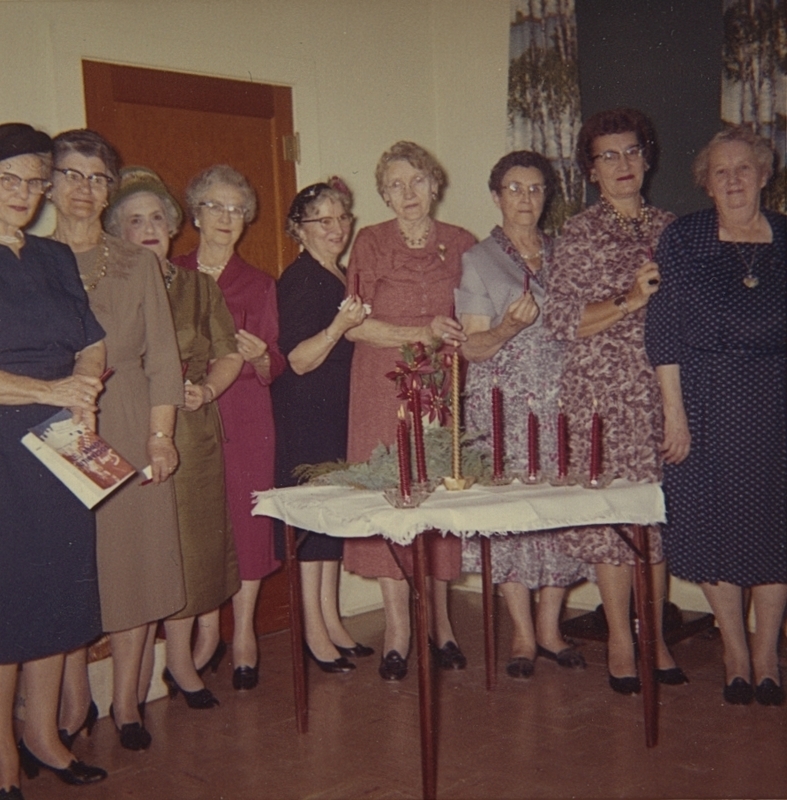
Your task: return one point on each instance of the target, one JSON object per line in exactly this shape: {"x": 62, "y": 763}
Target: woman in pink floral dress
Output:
{"x": 598, "y": 290}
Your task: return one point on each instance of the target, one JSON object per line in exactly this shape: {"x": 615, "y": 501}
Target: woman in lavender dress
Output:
{"x": 498, "y": 301}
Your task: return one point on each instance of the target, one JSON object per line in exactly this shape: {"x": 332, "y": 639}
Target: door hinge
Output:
{"x": 292, "y": 148}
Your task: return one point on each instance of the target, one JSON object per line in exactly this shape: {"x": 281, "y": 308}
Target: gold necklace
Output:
{"x": 638, "y": 226}
{"x": 750, "y": 280}
{"x": 102, "y": 262}
{"x": 418, "y": 241}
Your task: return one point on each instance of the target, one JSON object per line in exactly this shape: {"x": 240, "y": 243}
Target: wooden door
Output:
{"x": 178, "y": 124}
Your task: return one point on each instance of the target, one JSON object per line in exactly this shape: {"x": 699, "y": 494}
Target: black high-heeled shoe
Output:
{"x": 338, "y": 665}
{"x": 133, "y": 735}
{"x": 202, "y": 698}
{"x": 356, "y": 651}
{"x": 14, "y": 793}
{"x": 245, "y": 678}
{"x": 739, "y": 692}
{"x": 77, "y": 773}
{"x": 215, "y": 659}
{"x": 68, "y": 739}
{"x": 626, "y": 685}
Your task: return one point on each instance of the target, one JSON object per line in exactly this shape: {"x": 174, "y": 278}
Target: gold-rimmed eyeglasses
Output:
{"x": 519, "y": 189}
{"x": 632, "y": 153}
{"x": 12, "y": 183}
{"x": 216, "y": 209}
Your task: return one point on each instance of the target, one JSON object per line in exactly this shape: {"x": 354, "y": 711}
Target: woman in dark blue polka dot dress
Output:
{"x": 716, "y": 335}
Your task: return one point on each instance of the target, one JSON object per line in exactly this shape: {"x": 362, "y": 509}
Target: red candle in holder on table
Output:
{"x": 456, "y": 414}
{"x": 497, "y": 432}
{"x": 532, "y": 443}
{"x": 562, "y": 442}
{"x": 403, "y": 447}
{"x": 418, "y": 433}
{"x": 595, "y": 444}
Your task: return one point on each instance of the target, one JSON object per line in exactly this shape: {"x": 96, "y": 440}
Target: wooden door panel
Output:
{"x": 179, "y": 124}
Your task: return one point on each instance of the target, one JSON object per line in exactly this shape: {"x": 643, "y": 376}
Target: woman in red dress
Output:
{"x": 221, "y": 203}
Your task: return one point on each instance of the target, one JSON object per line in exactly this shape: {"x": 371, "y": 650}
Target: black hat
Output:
{"x": 18, "y": 139}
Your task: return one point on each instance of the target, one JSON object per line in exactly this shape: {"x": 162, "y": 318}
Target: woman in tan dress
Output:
{"x": 407, "y": 271}
{"x": 145, "y": 213}
{"x": 138, "y": 550}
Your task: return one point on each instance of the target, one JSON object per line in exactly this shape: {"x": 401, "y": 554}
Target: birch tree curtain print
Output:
{"x": 544, "y": 112}
{"x": 754, "y": 79}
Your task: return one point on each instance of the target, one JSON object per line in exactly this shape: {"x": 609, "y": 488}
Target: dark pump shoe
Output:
{"x": 674, "y": 676}
{"x": 568, "y": 657}
{"x": 77, "y": 773}
{"x": 356, "y": 651}
{"x": 215, "y": 659}
{"x": 68, "y": 739}
{"x": 769, "y": 693}
{"x": 392, "y": 666}
{"x": 133, "y": 735}
{"x": 338, "y": 665}
{"x": 520, "y": 667}
{"x": 739, "y": 692}
{"x": 627, "y": 685}
{"x": 14, "y": 793}
{"x": 202, "y": 698}
{"x": 449, "y": 656}
{"x": 245, "y": 678}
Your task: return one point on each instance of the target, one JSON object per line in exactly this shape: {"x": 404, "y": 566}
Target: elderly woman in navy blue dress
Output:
{"x": 51, "y": 355}
{"x": 716, "y": 335}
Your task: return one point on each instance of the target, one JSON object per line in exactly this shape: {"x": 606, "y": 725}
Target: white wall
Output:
{"x": 364, "y": 73}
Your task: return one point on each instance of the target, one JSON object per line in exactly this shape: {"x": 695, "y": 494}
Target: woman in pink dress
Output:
{"x": 221, "y": 203}
{"x": 407, "y": 270}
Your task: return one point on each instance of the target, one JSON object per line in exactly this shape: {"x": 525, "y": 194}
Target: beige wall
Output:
{"x": 364, "y": 74}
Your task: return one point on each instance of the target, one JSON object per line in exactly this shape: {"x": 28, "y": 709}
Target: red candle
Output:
{"x": 357, "y": 285}
{"x": 562, "y": 442}
{"x": 595, "y": 444}
{"x": 403, "y": 446}
{"x": 532, "y": 444}
{"x": 418, "y": 433}
{"x": 497, "y": 432}
{"x": 526, "y": 288}
{"x": 243, "y": 320}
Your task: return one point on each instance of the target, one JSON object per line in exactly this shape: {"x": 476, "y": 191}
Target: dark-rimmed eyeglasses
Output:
{"x": 76, "y": 178}
{"x": 326, "y": 223}
{"x": 11, "y": 183}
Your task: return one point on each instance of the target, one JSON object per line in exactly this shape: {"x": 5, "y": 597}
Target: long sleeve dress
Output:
{"x": 404, "y": 287}
{"x": 247, "y": 413}
{"x": 527, "y": 369}
{"x": 727, "y": 502}
{"x": 140, "y": 572}
{"x": 49, "y": 599}
{"x": 310, "y": 410}
{"x": 205, "y": 332}
{"x": 596, "y": 259}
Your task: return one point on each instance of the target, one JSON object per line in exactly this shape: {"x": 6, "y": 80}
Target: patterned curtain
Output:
{"x": 544, "y": 112}
{"x": 754, "y": 79}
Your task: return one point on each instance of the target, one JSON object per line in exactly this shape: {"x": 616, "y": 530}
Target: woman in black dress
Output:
{"x": 51, "y": 355}
{"x": 716, "y": 335}
{"x": 310, "y": 399}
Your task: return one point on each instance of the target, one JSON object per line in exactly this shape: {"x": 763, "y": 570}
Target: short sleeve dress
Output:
{"x": 727, "y": 502}
{"x": 49, "y": 599}
{"x": 247, "y": 413}
{"x": 310, "y": 410}
{"x": 527, "y": 369}
{"x": 404, "y": 287}
{"x": 596, "y": 259}
{"x": 205, "y": 332}
{"x": 138, "y": 548}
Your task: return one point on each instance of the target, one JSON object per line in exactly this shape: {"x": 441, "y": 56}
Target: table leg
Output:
{"x": 296, "y": 630}
{"x": 646, "y": 633}
{"x": 487, "y": 592}
{"x": 425, "y": 686}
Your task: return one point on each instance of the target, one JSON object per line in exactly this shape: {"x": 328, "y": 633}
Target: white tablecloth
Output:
{"x": 350, "y": 513}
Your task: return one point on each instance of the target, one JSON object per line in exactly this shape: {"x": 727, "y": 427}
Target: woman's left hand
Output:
{"x": 196, "y": 396}
{"x": 163, "y": 457}
{"x": 251, "y": 347}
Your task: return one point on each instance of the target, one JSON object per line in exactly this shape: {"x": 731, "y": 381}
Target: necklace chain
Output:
{"x": 102, "y": 262}
{"x": 750, "y": 280}
{"x": 639, "y": 226}
{"x": 418, "y": 241}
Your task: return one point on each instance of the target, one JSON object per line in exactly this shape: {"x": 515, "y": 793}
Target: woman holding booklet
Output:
{"x": 51, "y": 356}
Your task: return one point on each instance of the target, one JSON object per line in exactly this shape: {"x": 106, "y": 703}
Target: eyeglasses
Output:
{"x": 11, "y": 183}
{"x": 326, "y": 223}
{"x": 417, "y": 184}
{"x": 613, "y": 156}
{"x": 96, "y": 180}
{"x": 518, "y": 189}
{"x": 218, "y": 209}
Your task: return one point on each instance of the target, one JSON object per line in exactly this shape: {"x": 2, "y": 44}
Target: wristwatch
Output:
{"x": 621, "y": 303}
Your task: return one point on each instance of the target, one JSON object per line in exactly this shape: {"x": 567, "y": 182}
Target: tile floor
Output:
{"x": 561, "y": 734}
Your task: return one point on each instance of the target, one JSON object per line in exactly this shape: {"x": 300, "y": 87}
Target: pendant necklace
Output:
{"x": 750, "y": 280}
{"x": 100, "y": 268}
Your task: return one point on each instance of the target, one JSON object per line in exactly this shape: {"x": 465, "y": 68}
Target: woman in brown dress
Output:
{"x": 138, "y": 549}
{"x": 407, "y": 271}
{"x": 602, "y": 279}
{"x": 145, "y": 213}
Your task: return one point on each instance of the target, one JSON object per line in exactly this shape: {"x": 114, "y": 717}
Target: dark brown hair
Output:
{"x": 616, "y": 120}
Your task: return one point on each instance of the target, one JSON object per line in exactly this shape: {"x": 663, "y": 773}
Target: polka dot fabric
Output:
{"x": 727, "y": 502}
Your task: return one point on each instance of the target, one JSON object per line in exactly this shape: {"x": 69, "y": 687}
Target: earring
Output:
{"x": 196, "y": 223}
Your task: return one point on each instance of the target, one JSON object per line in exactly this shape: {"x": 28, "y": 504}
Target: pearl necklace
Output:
{"x": 214, "y": 272}
{"x": 14, "y": 238}
{"x": 418, "y": 241}
{"x": 102, "y": 262}
{"x": 638, "y": 226}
